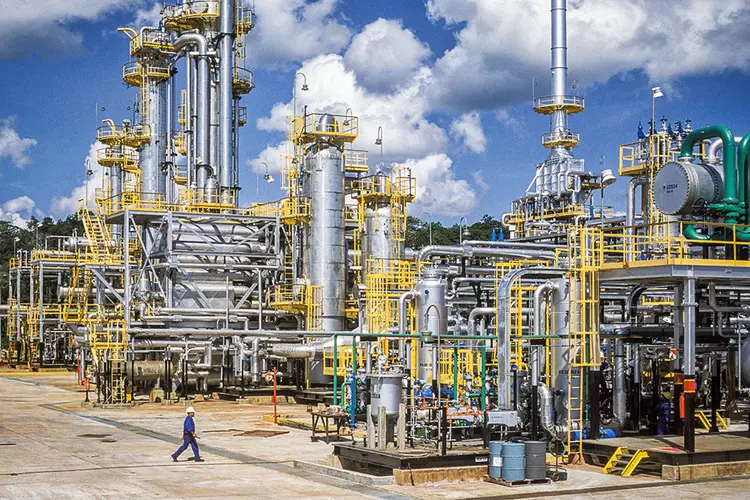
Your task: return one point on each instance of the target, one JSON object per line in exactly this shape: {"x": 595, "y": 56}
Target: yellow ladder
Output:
{"x": 583, "y": 338}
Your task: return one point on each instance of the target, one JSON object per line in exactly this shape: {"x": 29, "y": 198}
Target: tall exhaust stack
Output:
{"x": 553, "y": 173}
{"x": 559, "y": 120}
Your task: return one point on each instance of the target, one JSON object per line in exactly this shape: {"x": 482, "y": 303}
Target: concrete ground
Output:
{"x": 50, "y": 447}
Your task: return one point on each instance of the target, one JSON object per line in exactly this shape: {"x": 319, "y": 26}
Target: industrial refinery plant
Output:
{"x": 577, "y": 334}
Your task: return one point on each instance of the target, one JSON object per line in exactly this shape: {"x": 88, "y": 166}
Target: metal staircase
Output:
{"x": 101, "y": 248}
{"x": 704, "y": 416}
{"x": 623, "y": 462}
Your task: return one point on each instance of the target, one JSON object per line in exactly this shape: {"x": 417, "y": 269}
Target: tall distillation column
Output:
{"x": 325, "y": 243}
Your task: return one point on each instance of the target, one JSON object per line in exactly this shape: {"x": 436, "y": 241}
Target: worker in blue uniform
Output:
{"x": 189, "y": 437}
{"x": 663, "y": 410}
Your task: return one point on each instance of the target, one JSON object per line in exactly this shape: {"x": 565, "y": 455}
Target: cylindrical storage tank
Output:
{"x": 745, "y": 360}
{"x": 514, "y": 456}
{"x": 375, "y": 238}
{"x": 153, "y": 154}
{"x": 536, "y": 459}
{"x": 325, "y": 244}
{"x": 496, "y": 459}
{"x": 681, "y": 187}
{"x": 559, "y": 349}
{"x": 385, "y": 390}
{"x": 432, "y": 316}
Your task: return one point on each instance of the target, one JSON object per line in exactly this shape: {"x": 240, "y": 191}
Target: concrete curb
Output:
{"x": 346, "y": 475}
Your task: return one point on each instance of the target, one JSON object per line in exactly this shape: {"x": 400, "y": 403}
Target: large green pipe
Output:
{"x": 743, "y": 168}
{"x": 730, "y": 152}
{"x": 731, "y": 172}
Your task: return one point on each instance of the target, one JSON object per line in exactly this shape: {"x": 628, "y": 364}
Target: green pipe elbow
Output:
{"x": 743, "y": 170}
{"x": 692, "y": 234}
{"x": 730, "y": 152}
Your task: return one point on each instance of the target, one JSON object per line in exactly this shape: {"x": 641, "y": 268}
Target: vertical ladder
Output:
{"x": 583, "y": 336}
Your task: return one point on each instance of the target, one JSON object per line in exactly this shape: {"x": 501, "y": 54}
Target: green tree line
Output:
{"x": 418, "y": 231}
{"x": 28, "y": 238}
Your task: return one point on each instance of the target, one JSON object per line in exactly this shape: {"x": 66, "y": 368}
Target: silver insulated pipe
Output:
{"x": 559, "y": 120}
{"x": 202, "y": 91}
{"x": 559, "y": 48}
{"x": 225, "y": 114}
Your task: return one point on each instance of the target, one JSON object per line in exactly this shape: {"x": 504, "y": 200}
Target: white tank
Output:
{"x": 385, "y": 390}
{"x": 431, "y": 304}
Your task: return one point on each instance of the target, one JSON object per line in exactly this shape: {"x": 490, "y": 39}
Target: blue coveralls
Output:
{"x": 188, "y": 439}
{"x": 662, "y": 418}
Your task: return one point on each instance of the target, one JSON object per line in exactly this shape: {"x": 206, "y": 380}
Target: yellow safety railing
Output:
{"x": 179, "y": 143}
{"x": 150, "y": 40}
{"x": 344, "y": 361}
{"x": 564, "y": 139}
{"x": 53, "y": 255}
{"x": 317, "y": 126}
{"x": 301, "y": 298}
{"x": 118, "y": 156}
{"x": 549, "y": 104}
{"x": 244, "y": 18}
{"x": 242, "y": 80}
{"x": 355, "y": 160}
{"x": 642, "y": 245}
{"x": 385, "y": 281}
{"x": 182, "y": 109}
{"x": 469, "y": 362}
{"x": 583, "y": 337}
{"x": 134, "y": 72}
{"x": 190, "y": 13}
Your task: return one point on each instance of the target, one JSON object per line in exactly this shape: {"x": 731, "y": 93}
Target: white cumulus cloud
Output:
{"x": 12, "y": 145}
{"x": 294, "y": 30}
{"x": 18, "y": 211}
{"x": 148, "y": 16}
{"x": 47, "y": 26}
{"x": 468, "y": 130}
{"x": 407, "y": 133}
{"x": 63, "y": 206}
{"x": 438, "y": 190}
{"x": 384, "y": 55}
{"x": 409, "y": 137}
{"x": 500, "y": 45}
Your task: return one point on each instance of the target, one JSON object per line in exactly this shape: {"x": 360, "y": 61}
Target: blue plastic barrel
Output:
{"x": 514, "y": 466}
{"x": 496, "y": 459}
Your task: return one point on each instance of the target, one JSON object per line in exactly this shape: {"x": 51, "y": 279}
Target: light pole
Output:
{"x": 257, "y": 180}
{"x": 429, "y": 224}
{"x": 534, "y": 85}
{"x": 15, "y": 240}
{"x": 89, "y": 172}
{"x": 655, "y": 94}
{"x": 460, "y": 232}
{"x": 304, "y": 88}
{"x": 269, "y": 179}
{"x": 379, "y": 142}
{"x": 96, "y": 111}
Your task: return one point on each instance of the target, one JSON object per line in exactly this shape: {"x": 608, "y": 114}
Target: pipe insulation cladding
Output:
{"x": 683, "y": 188}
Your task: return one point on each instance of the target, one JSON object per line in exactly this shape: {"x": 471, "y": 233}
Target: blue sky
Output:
{"x": 450, "y": 83}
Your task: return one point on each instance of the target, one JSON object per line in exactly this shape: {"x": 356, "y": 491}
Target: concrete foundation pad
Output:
{"x": 413, "y": 477}
{"x": 347, "y": 475}
{"x": 705, "y": 471}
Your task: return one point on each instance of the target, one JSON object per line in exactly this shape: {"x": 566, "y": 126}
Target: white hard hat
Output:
{"x": 190, "y": 409}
